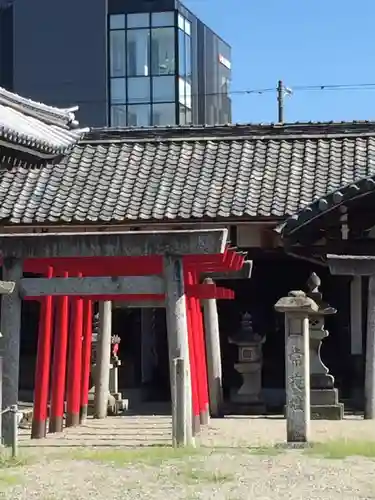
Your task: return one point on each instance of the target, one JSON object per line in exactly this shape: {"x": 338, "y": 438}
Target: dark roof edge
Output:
{"x": 275, "y": 131}
{"x": 64, "y": 118}
{"x": 326, "y": 204}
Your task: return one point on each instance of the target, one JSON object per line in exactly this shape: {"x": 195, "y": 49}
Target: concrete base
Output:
{"x": 327, "y": 412}
{"x": 258, "y": 408}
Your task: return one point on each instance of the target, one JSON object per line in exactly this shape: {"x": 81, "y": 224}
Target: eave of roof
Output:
{"x": 322, "y": 206}
{"x": 35, "y": 128}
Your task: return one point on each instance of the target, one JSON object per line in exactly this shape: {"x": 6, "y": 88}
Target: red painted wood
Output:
{"x": 59, "y": 362}
{"x": 43, "y": 363}
{"x": 193, "y": 369}
{"x": 200, "y": 326}
{"x": 75, "y": 361}
{"x": 86, "y": 351}
{"x": 193, "y": 354}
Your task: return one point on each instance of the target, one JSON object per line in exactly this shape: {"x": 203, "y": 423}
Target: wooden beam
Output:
{"x": 111, "y": 244}
{"x": 34, "y": 287}
{"x": 243, "y": 273}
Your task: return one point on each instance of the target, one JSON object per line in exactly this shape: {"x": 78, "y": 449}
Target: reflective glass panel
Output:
{"x": 118, "y": 91}
{"x": 139, "y": 115}
{"x": 118, "y": 116}
{"x": 182, "y": 110}
{"x": 188, "y": 57}
{"x": 181, "y": 53}
{"x": 188, "y": 95}
{"x": 139, "y": 90}
{"x": 117, "y": 22}
{"x": 181, "y": 91}
{"x": 162, "y": 51}
{"x": 181, "y": 22}
{"x": 163, "y": 89}
{"x": 162, "y": 19}
{"x": 187, "y": 27}
{"x": 164, "y": 114}
{"x": 138, "y": 20}
{"x": 117, "y": 54}
{"x": 138, "y": 45}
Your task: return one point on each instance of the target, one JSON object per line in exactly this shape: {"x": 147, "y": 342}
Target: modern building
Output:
{"x": 123, "y": 62}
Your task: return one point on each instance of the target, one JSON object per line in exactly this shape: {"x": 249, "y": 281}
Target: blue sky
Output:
{"x": 302, "y": 42}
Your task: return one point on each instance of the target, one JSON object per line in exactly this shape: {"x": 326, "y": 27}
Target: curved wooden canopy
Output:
{"x": 351, "y": 204}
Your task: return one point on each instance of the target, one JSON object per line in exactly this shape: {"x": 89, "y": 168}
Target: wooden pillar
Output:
{"x": 86, "y": 358}
{"x": 370, "y": 353}
{"x": 356, "y": 315}
{"x": 214, "y": 368}
{"x": 103, "y": 359}
{"x": 11, "y": 331}
{"x": 75, "y": 363}
{"x": 178, "y": 343}
{"x": 60, "y": 352}
{"x": 43, "y": 366}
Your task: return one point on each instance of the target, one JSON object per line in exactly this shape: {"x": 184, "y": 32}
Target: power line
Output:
{"x": 254, "y": 91}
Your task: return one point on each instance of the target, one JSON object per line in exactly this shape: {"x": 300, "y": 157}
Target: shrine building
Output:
{"x": 248, "y": 179}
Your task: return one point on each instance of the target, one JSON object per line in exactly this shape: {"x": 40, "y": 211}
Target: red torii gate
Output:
{"x": 78, "y": 364}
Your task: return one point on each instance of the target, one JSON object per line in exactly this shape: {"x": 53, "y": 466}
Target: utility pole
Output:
{"x": 280, "y": 101}
{"x": 282, "y": 91}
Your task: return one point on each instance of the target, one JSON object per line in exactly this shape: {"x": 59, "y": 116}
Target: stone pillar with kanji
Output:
{"x": 297, "y": 308}
{"x": 324, "y": 400}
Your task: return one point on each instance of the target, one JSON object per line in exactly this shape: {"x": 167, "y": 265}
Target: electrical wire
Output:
{"x": 249, "y": 91}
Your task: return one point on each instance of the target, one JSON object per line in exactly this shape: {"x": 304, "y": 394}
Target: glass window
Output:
{"x": 181, "y": 22}
{"x": 117, "y": 22}
{"x": 118, "y": 91}
{"x": 189, "y": 119}
{"x": 139, "y": 90}
{"x": 139, "y": 115}
{"x": 162, "y": 19}
{"x": 181, "y": 91}
{"x": 138, "y": 46}
{"x": 164, "y": 114}
{"x": 162, "y": 51}
{"x": 188, "y": 57}
{"x": 188, "y": 95}
{"x": 163, "y": 89}
{"x": 117, "y": 56}
{"x": 182, "y": 111}
{"x": 187, "y": 27}
{"x": 138, "y": 20}
{"x": 118, "y": 116}
{"x": 181, "y": 53}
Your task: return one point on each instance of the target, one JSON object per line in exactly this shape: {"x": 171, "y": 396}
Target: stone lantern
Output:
{"x": 248, "y": 397}
{"x": 324, "y": 397}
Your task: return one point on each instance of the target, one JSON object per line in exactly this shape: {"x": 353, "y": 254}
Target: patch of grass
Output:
{"x": 7, "y": 462}
{"x": 339, "y": 449}
{"x": 9, "y": 480}
{"x": 195, "y": 475}
{"x": 154, "y": 455}
{"x": 269, "y": 451}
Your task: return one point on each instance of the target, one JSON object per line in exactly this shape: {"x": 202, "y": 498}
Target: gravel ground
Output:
{"x": 223, "y": 468}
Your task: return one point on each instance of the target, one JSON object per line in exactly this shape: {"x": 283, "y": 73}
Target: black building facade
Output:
{"x": 123, "y": 62}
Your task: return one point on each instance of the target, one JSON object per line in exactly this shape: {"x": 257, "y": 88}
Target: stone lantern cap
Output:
{"x": 313, "y": 284}
{"x": 296, "y": 302}
{"x": 246, "y": 334}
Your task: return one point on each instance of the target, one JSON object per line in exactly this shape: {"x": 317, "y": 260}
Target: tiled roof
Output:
{"x": 190, "y": 173}
{"x": 36, "y": 128}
